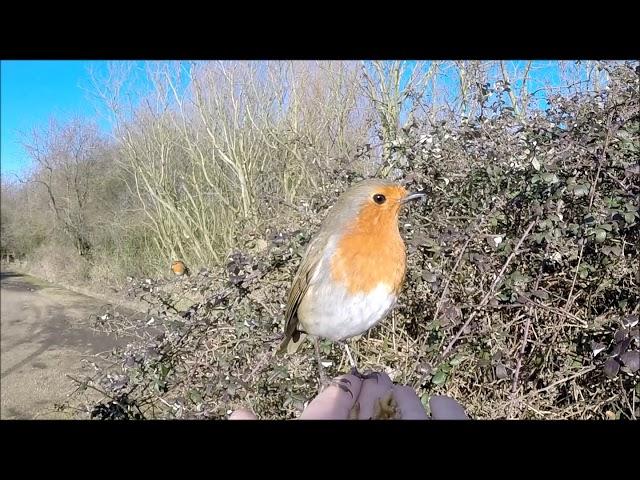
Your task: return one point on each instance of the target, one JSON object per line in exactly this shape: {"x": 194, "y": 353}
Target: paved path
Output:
{"x": 45, "y": 333}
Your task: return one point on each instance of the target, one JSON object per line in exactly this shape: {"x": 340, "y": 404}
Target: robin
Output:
{"x": 179, "y": 268}
{"x": 352, "y": 271}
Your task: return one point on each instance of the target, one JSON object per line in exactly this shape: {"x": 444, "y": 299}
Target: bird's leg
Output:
{"x": 354, "y": 366}
{"x": 343, "y": 383}
{"x": 323, "y": 378}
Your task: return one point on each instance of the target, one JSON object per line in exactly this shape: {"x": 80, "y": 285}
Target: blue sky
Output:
{"x": 32, "y": 92}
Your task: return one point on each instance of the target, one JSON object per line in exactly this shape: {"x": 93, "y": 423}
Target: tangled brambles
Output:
{"x": 521, "y": 298}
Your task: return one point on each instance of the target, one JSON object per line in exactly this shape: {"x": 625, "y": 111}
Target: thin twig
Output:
{"x": 626, "y": 399}
{"x": 86, "y": 384}
{"x": 567, "y": 305}
{"x": 491, "y": 291}
{"x": 549, "y": 387}
{"x": 448, "y": 280}
{"x": 516, "y": 375}
{"x": 266, "y": 356}
{"x": 553, "y": 309}
{"x": 601, "y": 160}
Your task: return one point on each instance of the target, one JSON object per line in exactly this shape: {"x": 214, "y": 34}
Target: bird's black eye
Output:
{"x": 379, "y": 198}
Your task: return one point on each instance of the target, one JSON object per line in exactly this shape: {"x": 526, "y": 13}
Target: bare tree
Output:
{"x": 394, "y": 89}
{"x": 212, "y": 147}
{"x": 66, "y": 158}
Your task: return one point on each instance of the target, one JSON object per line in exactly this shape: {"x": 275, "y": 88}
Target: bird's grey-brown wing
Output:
{"x": 299, "y": 288}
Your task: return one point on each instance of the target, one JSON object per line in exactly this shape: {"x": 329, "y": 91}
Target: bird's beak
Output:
{"x": 413, "y": 196}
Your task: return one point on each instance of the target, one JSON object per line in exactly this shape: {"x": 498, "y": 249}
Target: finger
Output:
{"x": 409, "y": 404}
{"x": 446, "y": 408}
{"x": 243, "y": 414}
{"x": 334, "y": 403}
{"x": 373, "y": 390}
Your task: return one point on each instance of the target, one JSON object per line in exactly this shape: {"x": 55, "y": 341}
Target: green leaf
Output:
{"x": 504, "y": 296}
{"x": 629, "y": 217}
{"x": 429, "y": 277}
{"x": 541, "y": 294}
{"x": 163, "y": 371}
{"x": 538, "y": 237}
{"x": 583, "y": 272}
{"x": 439, "y": 378}
{"x": 624, "y": 135}
{"x": 535, "y": 163}
{"x": 550, "y": 178}
{"x": 601, "y": 235}
{"x": 456, "y": 360}
{"x": 545, "y": 224}
{"x": 581, "y": 190}
{"x": 518, "y": 278}
{"x": 195, "y": 396}
{"x": 573, "y": 228}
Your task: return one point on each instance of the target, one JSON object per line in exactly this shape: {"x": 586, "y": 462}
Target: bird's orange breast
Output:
{"x": 370, "y": 252}
{"x": 177, "y": 267}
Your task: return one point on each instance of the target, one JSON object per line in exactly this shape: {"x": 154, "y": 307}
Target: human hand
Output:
{"x": 373, "y": 396}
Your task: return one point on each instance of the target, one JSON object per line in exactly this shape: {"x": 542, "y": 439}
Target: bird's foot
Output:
{"x": 364, "y": 376}
{"x": 342, "y": 383}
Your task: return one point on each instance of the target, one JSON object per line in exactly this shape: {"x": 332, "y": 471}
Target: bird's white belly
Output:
{"x": 337, "y": 315}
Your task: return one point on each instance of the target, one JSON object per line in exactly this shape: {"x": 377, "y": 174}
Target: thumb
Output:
{"x": 446, "y": 408}
{"x": 243, "y": 414}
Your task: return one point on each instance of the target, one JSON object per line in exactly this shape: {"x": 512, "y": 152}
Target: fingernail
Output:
{"x": 242, "y": 414}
